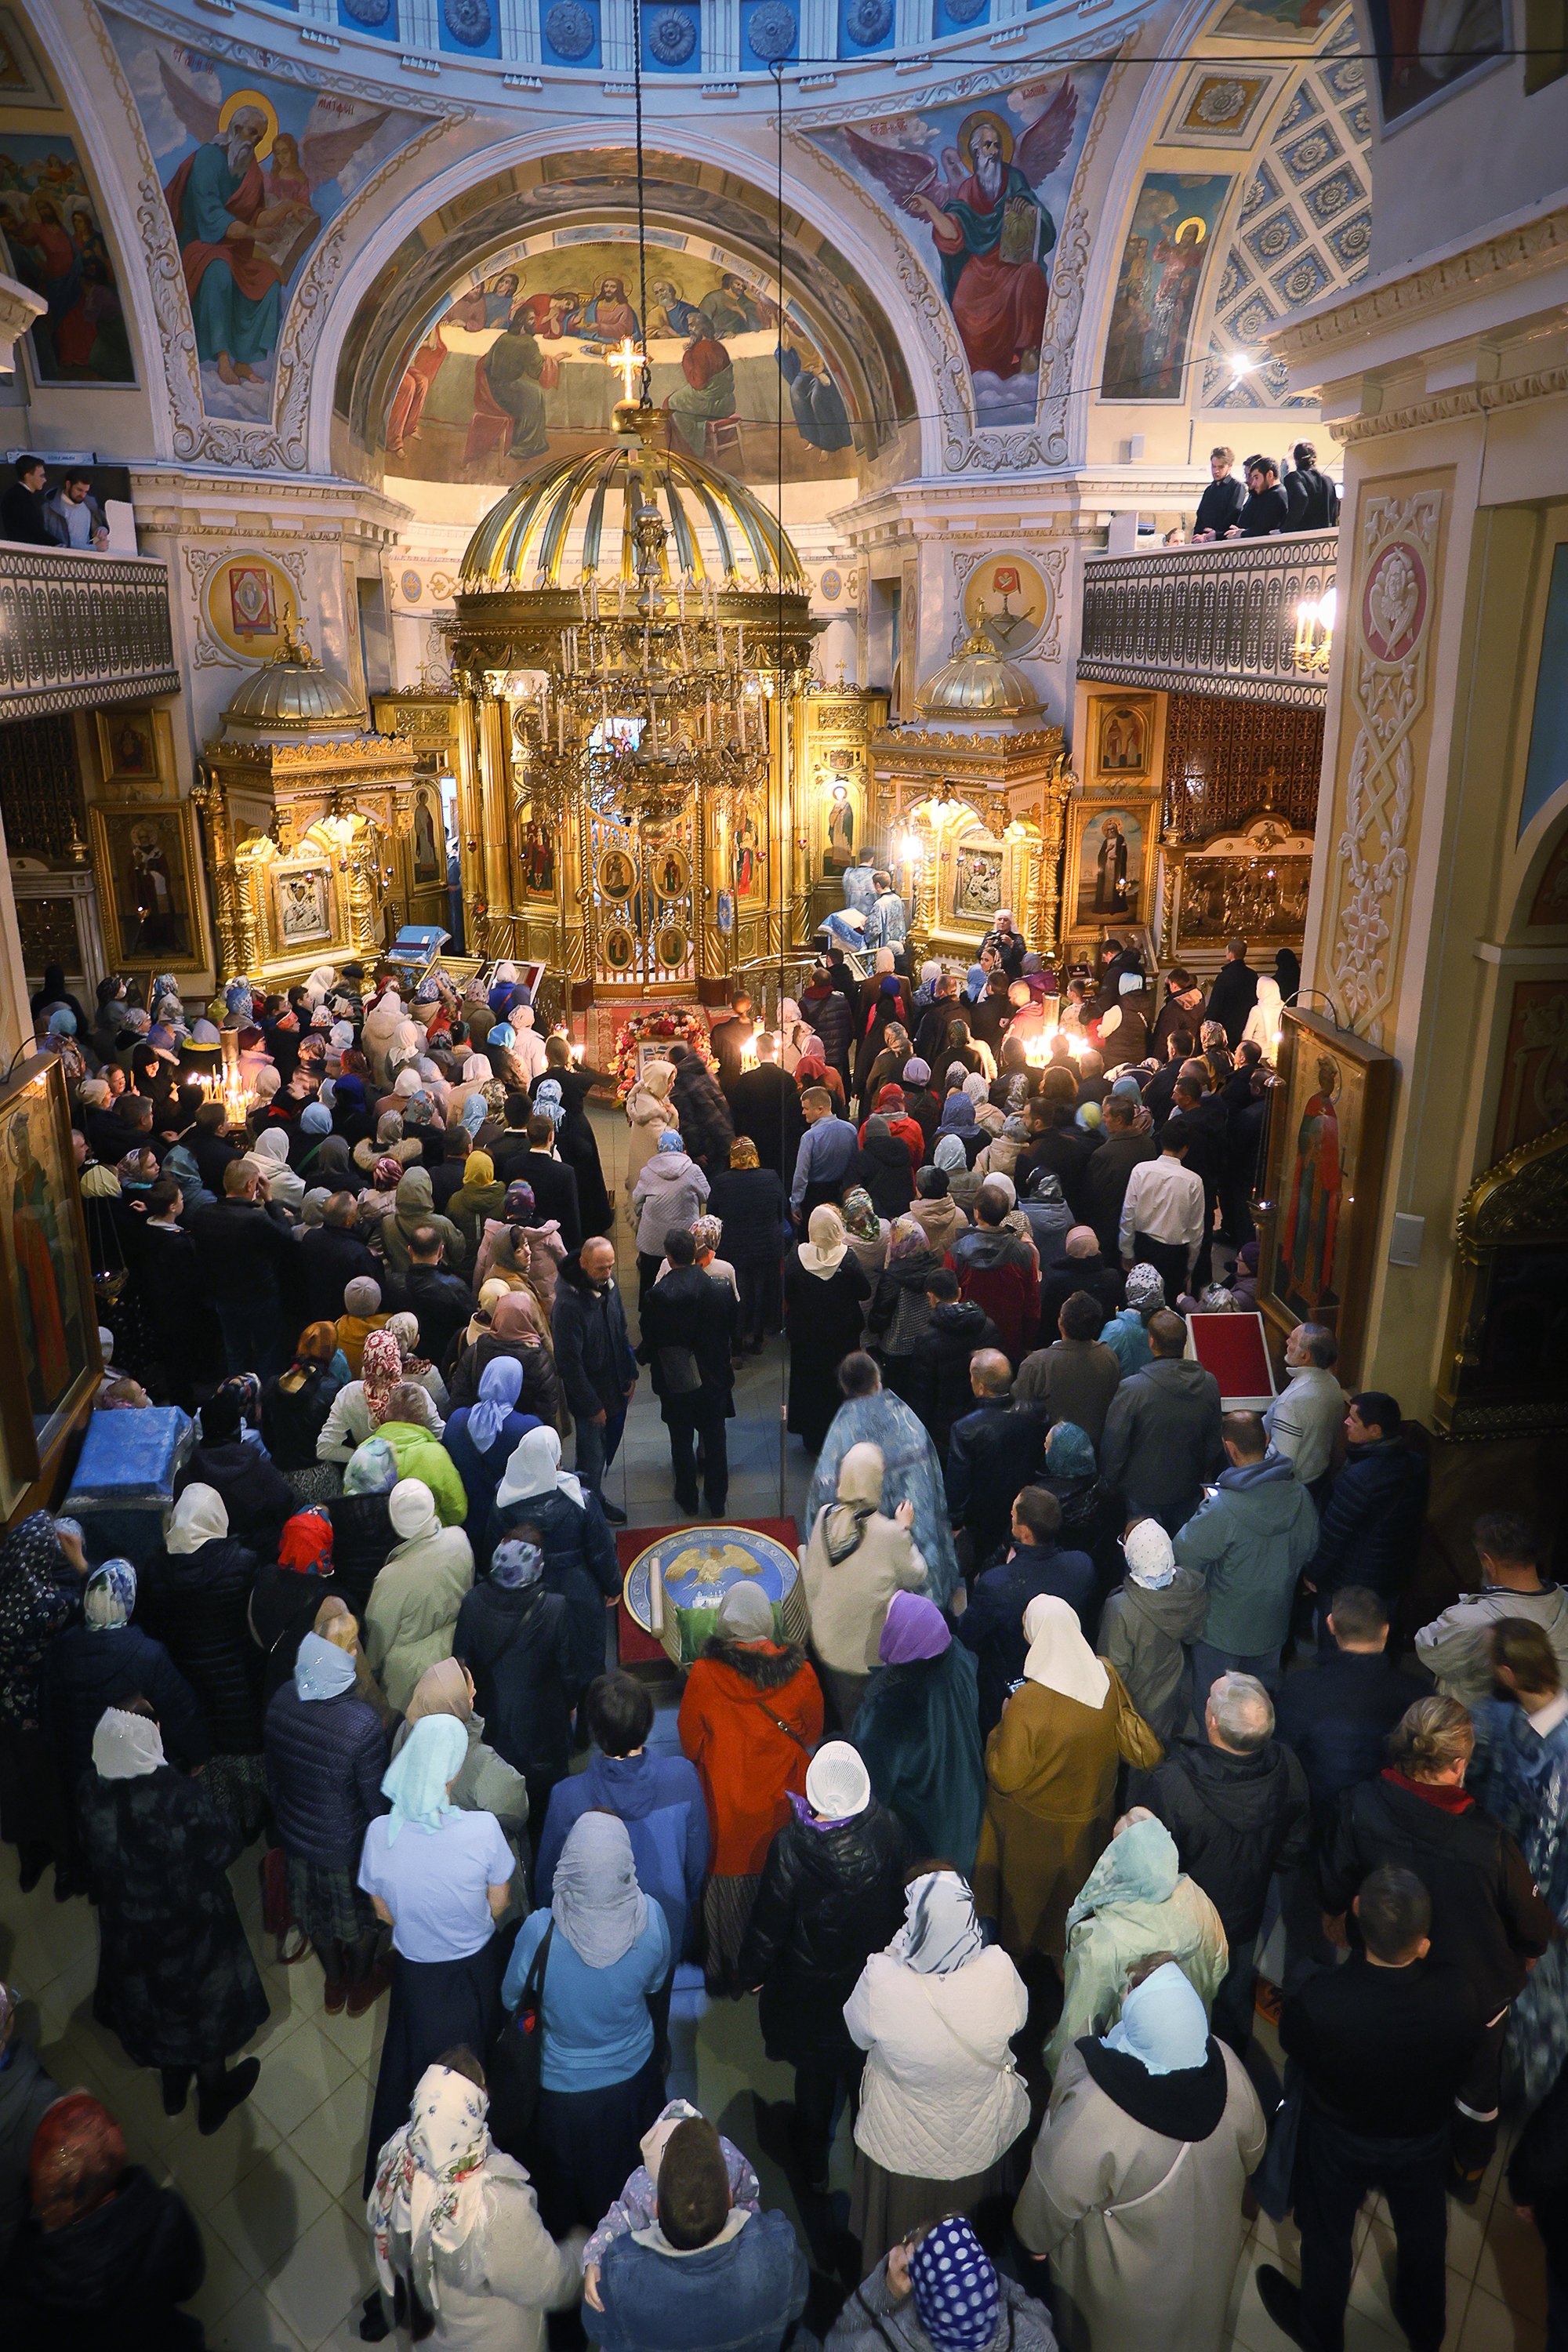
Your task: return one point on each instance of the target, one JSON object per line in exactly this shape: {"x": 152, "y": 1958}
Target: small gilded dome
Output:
{"x": 977, "y": 683}
{"x": 293, "y": 690}
{"x": 574, "y": 518}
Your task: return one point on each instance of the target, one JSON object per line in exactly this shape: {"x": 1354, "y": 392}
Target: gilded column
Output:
{"x": 470, "y": 803}
{"x": 495, "y": 806}
{"x": 1057, "y": 793}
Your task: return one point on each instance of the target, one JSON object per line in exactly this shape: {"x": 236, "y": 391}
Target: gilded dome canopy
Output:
{"x": 977, "y": 683}
{"x": 574, "y": 518}
{"x": 293, "y": 690}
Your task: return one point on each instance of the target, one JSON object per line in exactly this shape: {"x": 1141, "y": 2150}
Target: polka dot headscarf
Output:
{"x": 956, "y": 2294}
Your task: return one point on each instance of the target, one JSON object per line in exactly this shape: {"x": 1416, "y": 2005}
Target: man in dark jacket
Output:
{"x": 529, "y": 1156}
{"x": 1312, "y": 500}
{"x": 1234, "y": 993}
{"x": 991, "y": 1015}
{"x": 1058, "y": 1144}
{"x": 1082, "y": 1267}
{"x": 1383, "y": 2046}
{"x": 764, "y": 1104}
{"x": 515, "y": 1638}
{"x": 22, "y": 516}
{"x": 939, "y": 1389}
{"x": 248, "y": 1262}
{"x": 993, "y": 1451}
{"x": 1267, "y": 509}
{"x": 1336, "y": 1720}
{"x": 1105, "y": 1179}
{"x": 992, "y": 1624}
{"x": 1222, "y": 501}
{"x": 727, "y": 1039}
{"x": 593, "y": 1360}
{"x": 1235, "y": 1803}
{"x": 687, "y": 1329}
{"x": 442, "y": 1301}
{"x": 206, "y": 1143}
{"x": 1161, "y": 1435}
{"x": 828, "y": 1010}
{"x": 1487, "y": 1918}
{"x": 1203, "y": 1113}
{"x": 1372, "y": 1521}
{"x": 831, "y": 1894}
{"x": 1075, "y": 1378}
{"x": 331, "y": 1254}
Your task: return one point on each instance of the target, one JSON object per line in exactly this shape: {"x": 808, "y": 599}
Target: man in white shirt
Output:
{"x": 1305, "y": 1419}
{"x": 1163, "y": 1213}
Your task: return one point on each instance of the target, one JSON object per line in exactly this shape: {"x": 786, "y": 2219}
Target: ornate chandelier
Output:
{"x": 639, "y": 663}
{"x": 651, "y": 690}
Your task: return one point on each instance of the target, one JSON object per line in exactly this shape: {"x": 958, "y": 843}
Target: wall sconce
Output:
{"x": 1315, "y": 631}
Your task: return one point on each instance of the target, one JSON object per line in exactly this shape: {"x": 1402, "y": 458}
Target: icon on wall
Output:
{"x": 1009, "y": 599}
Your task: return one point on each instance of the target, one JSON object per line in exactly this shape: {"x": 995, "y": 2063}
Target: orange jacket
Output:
{"x": 730, "y": 1728}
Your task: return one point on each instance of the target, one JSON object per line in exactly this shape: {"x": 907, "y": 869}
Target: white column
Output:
{"x": 15, "y": 1009}
{"x": 417, "y": 25}
{"x": 818, "y": 30}
{"x": 616, "y": 23}
{"x": 519, "y": 31}
{"x": 912, "y": 26}
{"x": 721, "y": 38}
{"x": 319, "y": 12}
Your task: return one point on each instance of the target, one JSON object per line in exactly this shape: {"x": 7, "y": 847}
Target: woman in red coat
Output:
{"x": 751, "y": 1716}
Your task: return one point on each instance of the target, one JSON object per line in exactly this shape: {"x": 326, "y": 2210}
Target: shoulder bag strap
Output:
{"x": 780, "y": 1725}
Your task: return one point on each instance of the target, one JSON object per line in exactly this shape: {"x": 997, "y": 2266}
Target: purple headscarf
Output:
{"x": 915, "y": 1628}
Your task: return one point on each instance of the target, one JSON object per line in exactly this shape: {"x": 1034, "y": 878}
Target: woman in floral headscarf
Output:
{"x": 866, "y": 1231}
{"x": 521, "y": 1247}
{"x": 460, "y": 2252}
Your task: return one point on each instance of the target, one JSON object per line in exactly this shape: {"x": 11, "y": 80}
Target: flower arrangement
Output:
{"x": 673, "y": 1025}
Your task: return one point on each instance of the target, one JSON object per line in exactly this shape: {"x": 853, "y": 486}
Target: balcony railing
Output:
{"x": 79, "y": 632}
{"x": 1225, "y": 618}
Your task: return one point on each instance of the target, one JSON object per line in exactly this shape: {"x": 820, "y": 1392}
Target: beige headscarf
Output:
{"x": 199, "y": 1516}
{"x": 442, "y": 1689}
{"x": 861, "y": 1476}
{"x": 1060, "y": 1658}
{"x": 822, "y": 1252}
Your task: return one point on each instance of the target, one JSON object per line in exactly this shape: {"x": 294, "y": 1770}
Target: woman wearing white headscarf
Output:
{"x": 602, "y": 2082}
{"x": 825, "y": 1293}
{"x": 268, "y": 1156}
{"x": 941, "y": 2103}
{"x": 1051, "y": 1767}
{"x": 194, "y": 1596}
{"x": 460, "y": 2252}
{"x": 572, "y": 1530}
{"x": 1136, "y": 2185}
{"x": 412, "y": 1613}
{"x": 440, "y": 1878}
{"x": 831, "y": 1894}
{"x": 1148, "y": 1623}
{"x": 177, "y": 1981}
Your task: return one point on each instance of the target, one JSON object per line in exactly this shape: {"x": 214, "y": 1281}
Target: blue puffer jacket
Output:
{"x": 87, "y": 1671}
{"x": 325, "y": 1758}
{"x": 579, "y": 1564}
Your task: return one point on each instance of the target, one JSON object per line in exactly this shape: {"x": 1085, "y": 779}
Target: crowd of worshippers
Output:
{"x": 1110, "y": 1720}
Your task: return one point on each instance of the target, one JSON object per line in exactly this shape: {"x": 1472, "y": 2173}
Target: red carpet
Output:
{"x": 636, "y": 1648}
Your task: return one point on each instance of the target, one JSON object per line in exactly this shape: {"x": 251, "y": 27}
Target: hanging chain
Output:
{"x": 642, "y": 222}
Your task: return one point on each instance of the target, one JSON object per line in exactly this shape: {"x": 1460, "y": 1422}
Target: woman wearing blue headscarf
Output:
{"x": 480, "y": 1437}
{"x": 439, "y": 1879}
{"x": 1134, "y": 2191}
{"x": 602, "y": 2082}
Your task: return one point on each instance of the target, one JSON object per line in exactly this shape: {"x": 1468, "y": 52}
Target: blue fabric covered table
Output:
{"x": 123, "y": 1489}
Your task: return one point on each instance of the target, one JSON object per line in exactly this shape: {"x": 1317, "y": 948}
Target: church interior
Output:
{"x": 605, "y": 493}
